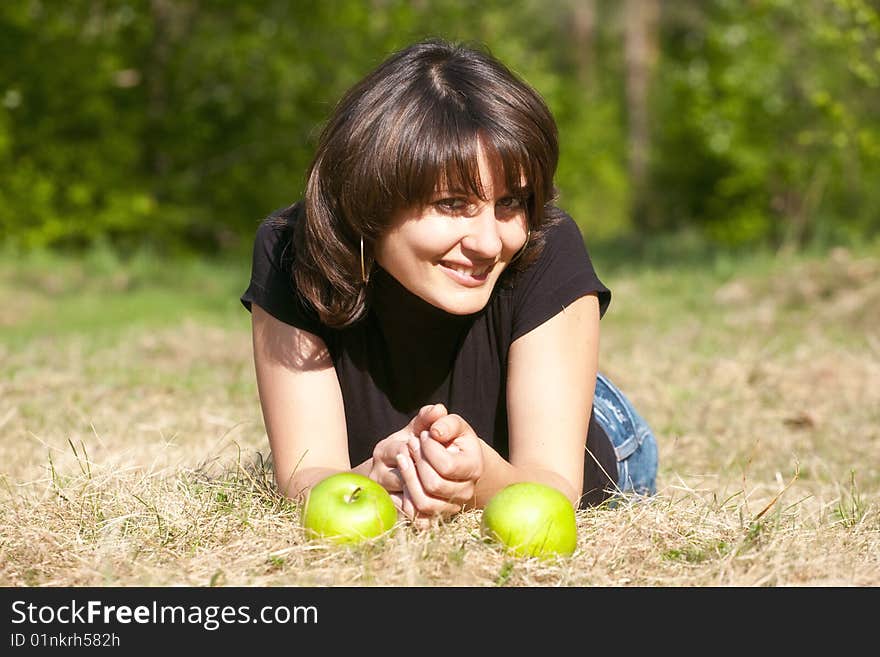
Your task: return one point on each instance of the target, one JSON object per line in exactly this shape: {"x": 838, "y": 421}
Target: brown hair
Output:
{"x": 418, "y": 119}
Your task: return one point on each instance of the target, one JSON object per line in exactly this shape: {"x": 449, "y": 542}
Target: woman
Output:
{"x": 425, "y": 315}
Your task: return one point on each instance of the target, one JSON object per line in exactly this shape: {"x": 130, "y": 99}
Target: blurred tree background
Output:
{"x": 178, "y": 124}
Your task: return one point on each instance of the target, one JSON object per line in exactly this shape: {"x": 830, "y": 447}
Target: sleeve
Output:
{"x": 271, "y": 286}
{"x": 562, "y": 274}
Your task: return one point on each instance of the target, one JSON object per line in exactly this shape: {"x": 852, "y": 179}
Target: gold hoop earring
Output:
{"x": 522, "y": 249}
{"x": 363, "y": 269}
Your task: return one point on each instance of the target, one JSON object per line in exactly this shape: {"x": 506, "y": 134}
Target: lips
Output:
{"x": 466, "y": 275}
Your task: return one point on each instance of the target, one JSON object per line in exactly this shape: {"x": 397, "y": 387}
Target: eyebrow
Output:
{"x": 519, "y": 189}
{"x": 451, "y": 191}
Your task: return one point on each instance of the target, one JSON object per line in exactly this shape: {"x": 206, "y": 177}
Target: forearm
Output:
{"x": 300, "y": 481}
{"x": 298, "y": 484}
{"x": 498, "y": 473}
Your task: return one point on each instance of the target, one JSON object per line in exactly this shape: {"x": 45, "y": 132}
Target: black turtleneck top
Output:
{"x": 405, "y": 353}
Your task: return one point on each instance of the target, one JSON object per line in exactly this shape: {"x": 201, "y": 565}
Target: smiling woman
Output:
{"x": 432, "y": 120}
{"x": 454, "y": 249}
{"x": 425, "y": 315}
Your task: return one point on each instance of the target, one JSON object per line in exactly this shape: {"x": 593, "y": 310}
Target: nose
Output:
{"x": 483, "y": 238}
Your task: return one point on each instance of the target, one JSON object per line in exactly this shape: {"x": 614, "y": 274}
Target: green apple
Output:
{"x": 348, "y": 508}
{"x": 531, "y": 520}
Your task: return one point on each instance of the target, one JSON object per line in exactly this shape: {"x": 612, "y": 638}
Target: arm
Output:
{"x": 550, "y": 386}
{"x": 304, "y": 413}
{"x": 301, "y": 402}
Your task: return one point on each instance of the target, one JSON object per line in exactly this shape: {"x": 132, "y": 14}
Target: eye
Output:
{"x": 510, "y": 205}
{"x": 510, "y": 202}
{"x": 452, "y": 205}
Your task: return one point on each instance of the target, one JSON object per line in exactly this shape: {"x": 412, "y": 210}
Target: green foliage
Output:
{"x": 765, "y": 120}
{"x": 179, "y": 124}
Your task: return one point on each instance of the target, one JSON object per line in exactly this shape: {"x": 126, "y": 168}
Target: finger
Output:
{"x": 433, "y": 483}
{"x": 438, "y": 455}
{"x": 449, "y": 427}
{"x": 416, "y": 520}
{"x": 393, "y": 482}
{"x": 461, "y": 460}
{"x": 397, "y": 499}
{"x": 386, "y": 450}
{"x": 412, "y": 514}
{"x": 424, "y": 503}
{"x": 426, "y": 416}
{"x": 391, "y": 477}
{"x": 386, "y": 474}
{"x": 409, "y": 509}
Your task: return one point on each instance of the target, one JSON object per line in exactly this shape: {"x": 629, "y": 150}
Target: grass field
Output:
{"x": 132, "y": 450}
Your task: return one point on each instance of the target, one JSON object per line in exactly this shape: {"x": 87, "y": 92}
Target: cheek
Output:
{"x": 513, "y": 236}
{"x": 412, "y": 246}
{"x": 429, "y": 241}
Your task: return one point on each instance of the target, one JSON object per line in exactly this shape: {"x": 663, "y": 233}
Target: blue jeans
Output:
{"x": 632, "y": 438}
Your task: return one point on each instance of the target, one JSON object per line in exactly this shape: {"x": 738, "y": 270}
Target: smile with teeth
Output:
{"x": 468, "y": 271}
{"x": 466, "y": 274}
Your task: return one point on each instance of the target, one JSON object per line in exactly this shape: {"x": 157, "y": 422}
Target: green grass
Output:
{"x": 133, "y": 450}
{"x": 101, "y": 294}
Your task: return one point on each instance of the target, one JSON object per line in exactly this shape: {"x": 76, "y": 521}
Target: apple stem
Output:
{"x": 353, "y": 495}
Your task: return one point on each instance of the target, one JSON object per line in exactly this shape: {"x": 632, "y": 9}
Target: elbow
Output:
{"x": 573, "y": 493}
{"x": 561, "y": 483}
{"x": 288, "y": 485}
{"x": 297, "y": 484}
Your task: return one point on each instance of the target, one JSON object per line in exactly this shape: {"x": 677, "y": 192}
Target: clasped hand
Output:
{"x": 431, "y": 466}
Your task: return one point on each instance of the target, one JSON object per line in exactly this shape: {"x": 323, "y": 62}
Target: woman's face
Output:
{"x": 452, "y": 251}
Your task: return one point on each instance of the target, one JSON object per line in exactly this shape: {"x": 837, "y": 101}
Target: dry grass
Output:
{"x": 136, "y": 455}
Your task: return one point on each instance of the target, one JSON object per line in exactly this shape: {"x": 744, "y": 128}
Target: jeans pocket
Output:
{"x": 633, "y": 441}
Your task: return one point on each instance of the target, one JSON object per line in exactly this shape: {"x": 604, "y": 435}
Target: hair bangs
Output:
{"x": 519, "y": 171}
{"x": 441, "y": 154}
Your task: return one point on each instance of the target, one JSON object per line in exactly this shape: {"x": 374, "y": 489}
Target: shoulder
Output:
{"x": 563, "y": 224}
{"x": 562, "y": 273}
{"x": 564, "y": 239}
{"x": 564, "y": 256}
{"x": 272, "y": 285}
{"x": 274, "y": 237}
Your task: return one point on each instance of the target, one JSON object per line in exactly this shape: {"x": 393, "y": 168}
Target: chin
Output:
{"x": 463, "y": 304}
{"x": 455, "y": 299}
